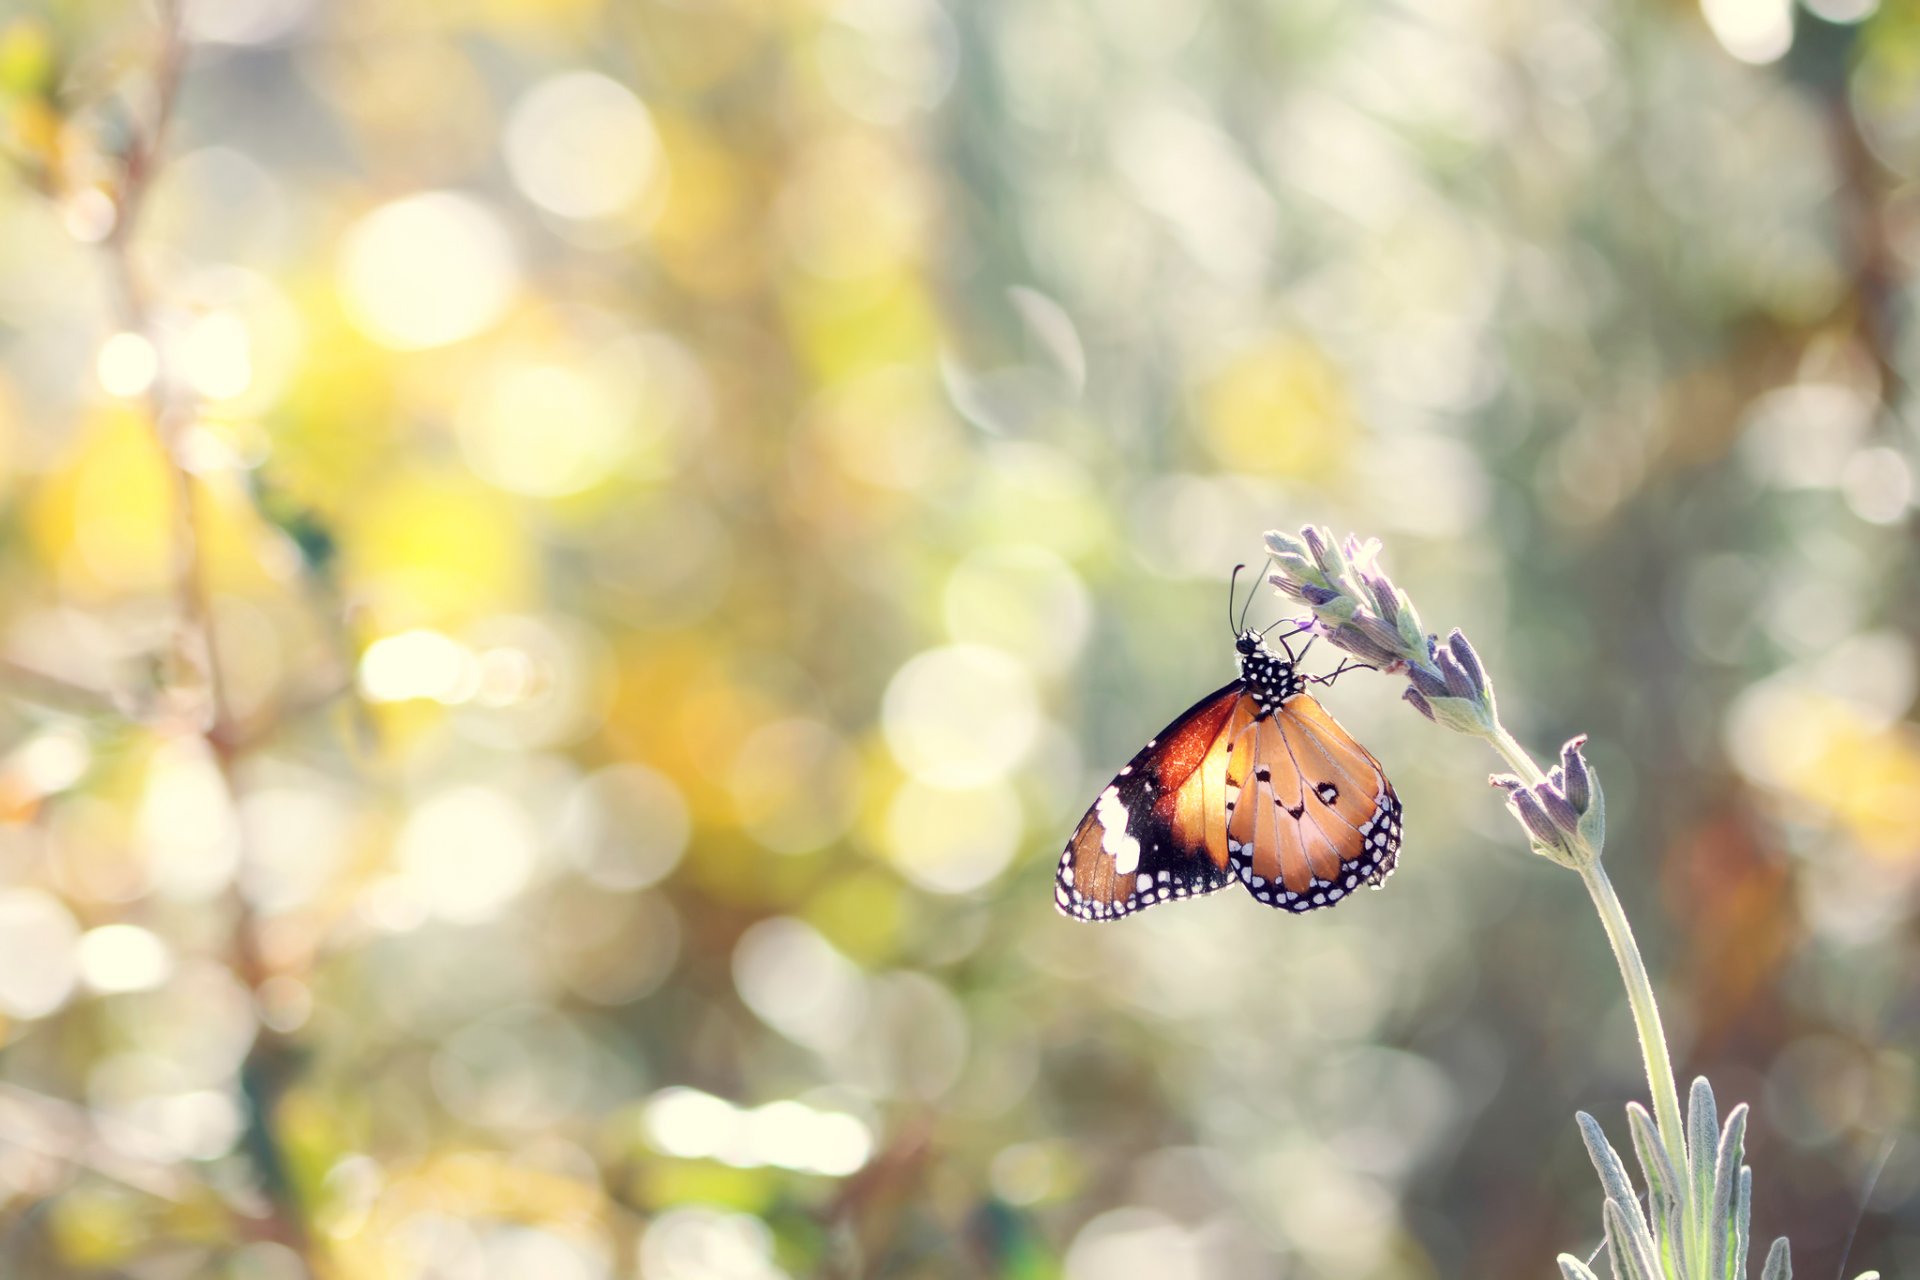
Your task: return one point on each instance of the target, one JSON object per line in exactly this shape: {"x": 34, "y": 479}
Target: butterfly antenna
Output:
{"x": 1247, "y": 607}
{"x": 1233, "y": 584}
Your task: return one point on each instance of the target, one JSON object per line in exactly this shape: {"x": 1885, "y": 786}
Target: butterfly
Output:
{"x": 1256, "y": 783}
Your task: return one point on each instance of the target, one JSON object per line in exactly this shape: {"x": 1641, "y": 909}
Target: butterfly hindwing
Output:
{"x": 1314, "y": 817}
{"x": 1158, "y": 830}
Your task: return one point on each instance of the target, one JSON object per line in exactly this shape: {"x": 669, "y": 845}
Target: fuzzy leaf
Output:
{"x": 1703, "y": 1139}
{"x": 1628, "y": 1244}
{"x": 1571, "y": 1268}
{"x": 1667, "y": 1204}
{"x": 1726, "y": 1175}
{"x": 1742, "y": 1221}
{"x": 1632, "y": 1236}
{"x": 1779, "y": 1265}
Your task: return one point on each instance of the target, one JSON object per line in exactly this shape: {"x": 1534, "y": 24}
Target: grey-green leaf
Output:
{"x": 1742, "y": 1219}
{"x": 1703, "y": 1139}
{"x": 1726, "y": 1175}
{"x": 1571, "y": 1268}
{"x": 1779, "y": 1265}
{"x": 1667, "y": 1202}
{"x": 1630, "y": 1249}
{"x": 1614, "y": 1181}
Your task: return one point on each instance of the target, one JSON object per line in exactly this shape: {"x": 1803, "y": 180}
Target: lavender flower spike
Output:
{"x": 1357, "y": 608}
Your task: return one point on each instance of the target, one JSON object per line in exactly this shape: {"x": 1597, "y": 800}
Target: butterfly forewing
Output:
{"x": 1157, "y": 832}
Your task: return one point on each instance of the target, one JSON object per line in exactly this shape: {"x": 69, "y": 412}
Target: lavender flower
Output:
{"x": 1358, "y": 609}
{"x": 1565, "y": 816}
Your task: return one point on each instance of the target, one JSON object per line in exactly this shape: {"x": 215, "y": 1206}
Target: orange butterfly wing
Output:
{"x": 1313, "y": 817}
{"x": 1159, "y": 830}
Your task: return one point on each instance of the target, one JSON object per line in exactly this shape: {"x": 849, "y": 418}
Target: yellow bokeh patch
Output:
{"x": 1277, "y": 407}
{"x": 106, "y": 517}
{"x": 1866, "y": 776}
{"x": 435, "y": 548}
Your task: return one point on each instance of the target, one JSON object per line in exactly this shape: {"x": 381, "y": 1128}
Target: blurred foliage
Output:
{"x": 693, "y": 499}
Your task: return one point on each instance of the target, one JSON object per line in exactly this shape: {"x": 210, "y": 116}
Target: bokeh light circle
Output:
{"x": 1023, "y": 599}
{"x": 953, "y": 840}
{"x": 581, "y": 145}
{"x": 466, "y": 853}
{"x": 39, "y": 962}
{"x": 427, "y": 270}
{"x": 625, "y": 826}
{"x": 961, "y": 715}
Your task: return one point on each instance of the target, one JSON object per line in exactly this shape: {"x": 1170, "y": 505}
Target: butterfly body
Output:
{"x": 1254, "y": 783}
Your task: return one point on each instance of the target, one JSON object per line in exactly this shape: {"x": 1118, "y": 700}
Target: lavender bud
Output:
{"x": 1426, "y": 681}
{"x": 1419, "y": 701}
{"x": 1469, "y": 660}
{"x": 1317, "y": 595}
{"x": 1383, "y": 596}
{"x": 1317, "y": 544}
{"x": 1386, "y": 637}
{"x": 1559, "y": 810}
{"x": 1557, "y": 780}
{"x": 1331, "y": 607}
{"x": 1459, "y": 683}
{"x": 1507, "y": 782}
{"x": 1534, "y": 818}
{"x": 1360, "y": 554}
{"x": 1349, "y": 636}
{"x": 1579, "y": 786}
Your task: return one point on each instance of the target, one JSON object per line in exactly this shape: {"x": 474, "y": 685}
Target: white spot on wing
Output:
{"x": 1114, "y": 840}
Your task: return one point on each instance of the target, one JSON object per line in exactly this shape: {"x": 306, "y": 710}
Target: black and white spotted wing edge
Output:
{"x": 1381, "y": 836}
{"x": 1137, "y": 857}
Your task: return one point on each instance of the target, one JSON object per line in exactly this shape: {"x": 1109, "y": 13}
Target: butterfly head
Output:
{"x": 1269, "y": 677}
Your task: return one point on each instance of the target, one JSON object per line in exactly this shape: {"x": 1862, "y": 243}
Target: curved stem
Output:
{"x": 1633, "y": 971}
{"x": 1516, "y": 755}
{"x": 1646, "y": 1013}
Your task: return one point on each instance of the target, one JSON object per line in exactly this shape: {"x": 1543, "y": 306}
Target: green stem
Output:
{"x": 1646, "y": 1013}
{"x": 1633, "y": 971}
{"x": 1516, "y": 755}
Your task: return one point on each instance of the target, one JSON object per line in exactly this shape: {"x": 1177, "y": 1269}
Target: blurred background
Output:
{"x": 566, "y": 569}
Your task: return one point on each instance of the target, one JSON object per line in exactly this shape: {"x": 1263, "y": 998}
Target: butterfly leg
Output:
{"x": 1346, "y": 665}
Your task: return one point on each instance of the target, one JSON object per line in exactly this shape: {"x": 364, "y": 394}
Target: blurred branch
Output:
{"x": 1872, "y": 261}
{"x": 32, "y": 683}
{"x": 271, "y": 1061}
{"x": 61, "y": 1131}
{"x": 142, "y": 160}
{"x": 863, "y": 1218}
